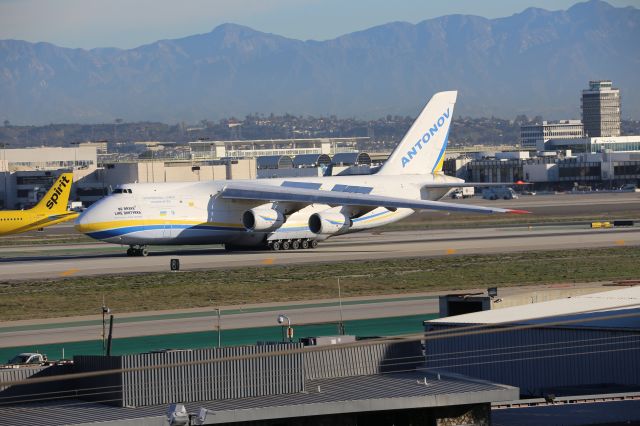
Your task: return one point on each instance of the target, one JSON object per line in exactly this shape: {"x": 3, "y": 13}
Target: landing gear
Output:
{"x": 137, "y": 251}
{"x": 292, "y": 244}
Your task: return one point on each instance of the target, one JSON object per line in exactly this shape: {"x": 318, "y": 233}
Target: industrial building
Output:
{"x": 586, "y": 344}
{"x": 27, "y": 173}
{"x": 375, "y": 383}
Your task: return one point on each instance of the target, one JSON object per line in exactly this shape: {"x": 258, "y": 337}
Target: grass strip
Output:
{"x": 190, "y": 289}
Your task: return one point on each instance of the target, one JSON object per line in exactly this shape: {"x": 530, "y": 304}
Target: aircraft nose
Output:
{"x": 82, "y": 223}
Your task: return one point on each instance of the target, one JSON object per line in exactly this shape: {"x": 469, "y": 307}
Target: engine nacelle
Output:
{"x": 329, "y": 223}
{"x": 262, "y": 219}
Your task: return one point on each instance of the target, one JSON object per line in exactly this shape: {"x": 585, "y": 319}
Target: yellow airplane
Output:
{"x": 50, "y": 210}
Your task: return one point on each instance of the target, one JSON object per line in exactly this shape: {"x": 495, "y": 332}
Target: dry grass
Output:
{"x": 140, "y": 292}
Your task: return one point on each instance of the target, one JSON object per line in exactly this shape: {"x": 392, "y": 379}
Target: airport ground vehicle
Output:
{"x": 503, "y": 193}
{"x": 50, "y": 210}
{"x": 28, "y": 358}
{"x": 291, "y": 213}
{"x": 75, "y": 206}
{"x": 629, "y": 187}
{"x": 464, "y": 192}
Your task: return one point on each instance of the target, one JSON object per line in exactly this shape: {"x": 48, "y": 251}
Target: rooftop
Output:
{"x": 588, "y": 307}
{"x": 381, "y": 392}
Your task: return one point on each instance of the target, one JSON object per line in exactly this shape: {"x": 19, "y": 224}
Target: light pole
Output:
{"x": 281, "y": 319}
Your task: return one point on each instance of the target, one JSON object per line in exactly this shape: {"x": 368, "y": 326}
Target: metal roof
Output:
{"x": 395, "y": 391}
{"x": 311, "y": 160}
{"x": 588, "y": 307}
{"x": 274, "y": 162}
{"x": 351, "y": 158}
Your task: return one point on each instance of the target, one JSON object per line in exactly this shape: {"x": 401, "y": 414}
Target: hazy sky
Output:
{"x": 130, "y": 23}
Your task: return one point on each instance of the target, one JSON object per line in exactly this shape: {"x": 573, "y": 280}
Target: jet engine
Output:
{"x": 331, "y": 222}
{"x": 262, "y": 219}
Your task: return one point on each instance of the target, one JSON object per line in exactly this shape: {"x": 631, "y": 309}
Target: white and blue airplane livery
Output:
{"x": 286, "y": 213}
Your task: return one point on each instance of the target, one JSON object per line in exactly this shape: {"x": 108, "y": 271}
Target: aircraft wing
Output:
{"x": 57, "y": 218}
{"x": 269, "y": 193}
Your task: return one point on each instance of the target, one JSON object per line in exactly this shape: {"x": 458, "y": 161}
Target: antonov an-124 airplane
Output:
{"x": 283, "y": 214}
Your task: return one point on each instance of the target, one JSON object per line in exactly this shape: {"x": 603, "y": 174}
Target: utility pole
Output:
{"x": 105, "y": 311}
{"x": 341, "y": 328}
{"x": 219, "y": 329}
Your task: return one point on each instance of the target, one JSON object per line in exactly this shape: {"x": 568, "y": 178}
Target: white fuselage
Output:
{"x": 193, "y": 213}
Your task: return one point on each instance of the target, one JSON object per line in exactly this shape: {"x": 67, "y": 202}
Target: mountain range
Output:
{"x": 535, "y": 62}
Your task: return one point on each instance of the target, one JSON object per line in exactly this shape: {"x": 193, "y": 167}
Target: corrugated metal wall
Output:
{"x": 105, "y": 389}
{"x": 362, "y": 360}
{"x": 540, "y": 359}
{"x": 211, "y": 381}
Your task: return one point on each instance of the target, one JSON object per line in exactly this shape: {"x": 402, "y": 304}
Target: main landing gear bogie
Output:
{"x": 292, "y": 244}
{"x": 137, "y": 251}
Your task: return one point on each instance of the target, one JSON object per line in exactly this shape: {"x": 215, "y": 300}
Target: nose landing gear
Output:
{"x": 137, "y": 250}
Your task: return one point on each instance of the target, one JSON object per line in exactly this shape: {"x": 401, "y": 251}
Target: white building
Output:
{"x": 595, "y": 145}
{"x": 269, "y": 147}
{"x": 47, "y": 158}
{"x": 27, "y": 173}
{"x": 534, "y": 136}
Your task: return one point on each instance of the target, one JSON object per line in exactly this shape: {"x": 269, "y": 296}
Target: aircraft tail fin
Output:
{"x": 56, "y": 198}
{"x": 421, "y": 150}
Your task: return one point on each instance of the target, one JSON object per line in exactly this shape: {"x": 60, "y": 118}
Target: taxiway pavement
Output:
{"x": 55, "y": 261}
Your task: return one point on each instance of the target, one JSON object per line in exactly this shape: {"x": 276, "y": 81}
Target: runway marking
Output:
{"x": 69, "y": 272}
{"x": 268, "y": 261}
{"x": 620, "y": 242}
{"x": 451, "y": 251}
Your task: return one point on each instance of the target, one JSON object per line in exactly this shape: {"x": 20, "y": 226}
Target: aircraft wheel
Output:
{"x": 130, "y": 251}
{"x": 144, "y": 252}
{"x": 305, "y": 244}
{"x": 314, "y": 244}
{"x": 295, "y": 244}
{"x": 286, "y": 245}
{"x": 275, "y": 246}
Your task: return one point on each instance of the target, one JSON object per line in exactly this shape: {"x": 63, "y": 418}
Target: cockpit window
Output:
{"x": 117, "y": 191}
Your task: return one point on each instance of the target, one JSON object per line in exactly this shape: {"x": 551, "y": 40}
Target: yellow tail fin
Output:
{"x": 55, "y": 200}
